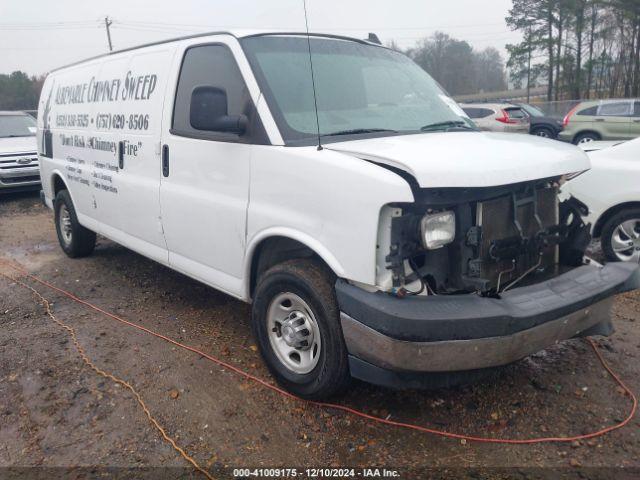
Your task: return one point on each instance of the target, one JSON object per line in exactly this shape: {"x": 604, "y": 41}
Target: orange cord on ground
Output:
{"x": 99, "y": 371}
{"x": 349, "y": 410}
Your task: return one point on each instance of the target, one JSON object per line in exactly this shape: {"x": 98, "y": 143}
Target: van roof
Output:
{"x": 234, "y": 33}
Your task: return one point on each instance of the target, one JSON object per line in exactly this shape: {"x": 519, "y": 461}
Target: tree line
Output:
{"x": 578, "y": 48}
{"x": 18, "y": 91}
{"x": 457, "y": 66}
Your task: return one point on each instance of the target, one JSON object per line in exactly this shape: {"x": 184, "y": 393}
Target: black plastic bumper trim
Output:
{"x": 467, "y": 317}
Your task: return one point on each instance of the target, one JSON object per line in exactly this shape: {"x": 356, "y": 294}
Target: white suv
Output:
{"x": 18, "y": 152}
{"x": 498, "y": 117}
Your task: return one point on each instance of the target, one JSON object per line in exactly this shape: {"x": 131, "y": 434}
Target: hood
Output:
{"x": 18, "y": 145}
{"x": 470, "y": 159}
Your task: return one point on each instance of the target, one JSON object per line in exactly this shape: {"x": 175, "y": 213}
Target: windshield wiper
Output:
{"x": 446, "y": 126}
{"x": 356, "y": 131}
{"x": 16, "y": 136}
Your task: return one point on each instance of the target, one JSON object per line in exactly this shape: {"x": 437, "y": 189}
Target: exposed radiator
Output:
{"x": 507, "y": 237}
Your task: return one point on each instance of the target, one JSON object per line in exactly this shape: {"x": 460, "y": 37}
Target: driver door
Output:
{"x": 204, "y": 189}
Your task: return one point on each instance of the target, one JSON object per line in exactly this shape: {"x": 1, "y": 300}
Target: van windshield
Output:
{"x": 17, "y": 126}
{"x": 361, "y": 90}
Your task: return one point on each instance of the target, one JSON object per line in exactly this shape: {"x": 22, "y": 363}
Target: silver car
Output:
{"x": 19, "y": 169}
{"x": 498, "y": 117}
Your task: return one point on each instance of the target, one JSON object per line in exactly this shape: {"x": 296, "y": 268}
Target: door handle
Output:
{"x": 600, "y": 120}
{"x": 165, "y": 160}
{"x": 121, "y": 155}
{"x": 636, "y": 121}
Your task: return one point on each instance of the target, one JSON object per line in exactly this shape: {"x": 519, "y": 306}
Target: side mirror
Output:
{"x": 208, "y": 112}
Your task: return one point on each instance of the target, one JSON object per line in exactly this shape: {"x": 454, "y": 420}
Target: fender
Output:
{"x": 57, "y": 173}
{"x": 304, "y": 238}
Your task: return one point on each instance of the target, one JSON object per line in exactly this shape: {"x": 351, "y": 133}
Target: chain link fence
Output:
{"x": 557, "y": 109}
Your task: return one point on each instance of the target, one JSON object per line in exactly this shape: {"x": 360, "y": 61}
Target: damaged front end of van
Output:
{"x": 478, "y": 276}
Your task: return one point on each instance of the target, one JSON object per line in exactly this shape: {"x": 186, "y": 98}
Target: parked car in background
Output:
{"x": 611, "y": 191}
{"x": 498, "y": 117}
{"x": 602, "y": 120}
{"x": 541, "y": 124}
{"x": 18, "y": 152}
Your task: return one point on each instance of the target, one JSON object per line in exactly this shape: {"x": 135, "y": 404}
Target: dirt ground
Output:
{"x": 58, "y": 415}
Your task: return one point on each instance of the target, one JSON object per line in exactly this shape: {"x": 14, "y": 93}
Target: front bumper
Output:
{"x": 19, "y": 178}
{"x": 566, "y": 136}
{"x": 451, "y": 333}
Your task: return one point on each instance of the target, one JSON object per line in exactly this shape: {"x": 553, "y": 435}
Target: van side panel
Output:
{"x": 64, "y": 123}
{"x": 99, "y": 129}
{"x": 140, "y": 176}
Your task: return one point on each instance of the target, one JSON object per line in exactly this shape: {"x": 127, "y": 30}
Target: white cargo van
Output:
{"x": 376, "y": 232}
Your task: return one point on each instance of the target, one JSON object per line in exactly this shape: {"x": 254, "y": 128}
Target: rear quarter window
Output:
{"x": 478, "y": 112}
{"x": 588, "y": 112}
{"x": 516, "y": 113}
{"x": 472, "y": 112}
{"x": 618, "y": 109}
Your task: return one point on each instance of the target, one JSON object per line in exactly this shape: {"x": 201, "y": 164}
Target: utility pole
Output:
{"x": 107, "y": 24}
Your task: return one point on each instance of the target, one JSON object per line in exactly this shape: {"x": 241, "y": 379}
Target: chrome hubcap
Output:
{"x": 625, "y": 241}
{"x": 586, "y": 140}
{"x": 293, "y": 333}
{"x": 65, "y": 224}
{"x": 542, "y": 133}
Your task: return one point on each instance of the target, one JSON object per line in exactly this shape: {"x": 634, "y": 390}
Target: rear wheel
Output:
{"x": 621, "y": 236}
{"x": 544, "y": 132}
{"x": 296, "y": 322}
{"x": 586, "y": 138}
{"x": 75, "y": 240}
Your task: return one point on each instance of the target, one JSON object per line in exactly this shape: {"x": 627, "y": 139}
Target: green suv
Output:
{"x": 602, "y": 120}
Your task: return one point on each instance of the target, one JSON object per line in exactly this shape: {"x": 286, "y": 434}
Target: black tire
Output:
{"x": 314, "y": 284}
{"x": 76, "y": 241}
{"x": 586, "y": 137}
{"x": 544, "y": 132}
{"x": 609, "y": 227}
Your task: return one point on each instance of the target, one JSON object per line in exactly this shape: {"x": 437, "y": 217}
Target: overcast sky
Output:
{"x": 38, "y": 35}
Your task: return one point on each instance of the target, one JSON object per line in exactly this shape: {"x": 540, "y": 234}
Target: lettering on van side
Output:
{"x": 119, "y": 121}
{"x": 71, "y": 120}
{"x": 131, "y": 87}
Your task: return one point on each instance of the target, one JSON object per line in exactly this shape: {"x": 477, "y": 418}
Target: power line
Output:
{"x": 366, "y": 28}
{"x": 48, "y": 26}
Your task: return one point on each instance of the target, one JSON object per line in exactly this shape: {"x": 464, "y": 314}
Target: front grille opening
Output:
{"x": 511, "y": 243}
{"x": 14, "y": 180}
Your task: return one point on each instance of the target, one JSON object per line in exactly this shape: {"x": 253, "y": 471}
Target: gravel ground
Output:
{"x": 58, "y": 415}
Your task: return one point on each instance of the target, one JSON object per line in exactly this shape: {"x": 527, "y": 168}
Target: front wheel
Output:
{"x": 296, "y": 322}
{"x": 75, "y": 240}
{"x": 621, "y": 236}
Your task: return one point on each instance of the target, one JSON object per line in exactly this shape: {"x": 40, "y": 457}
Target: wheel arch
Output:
{"x": 543, "y": 126}
{"x": 276, "y": 246}
{"x": 58, "y": 183}
{"x": 610, "y": 212}
{"x": 582, "y": 132}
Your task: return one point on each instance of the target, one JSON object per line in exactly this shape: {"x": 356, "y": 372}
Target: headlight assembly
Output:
{"x": 438, "y": 229}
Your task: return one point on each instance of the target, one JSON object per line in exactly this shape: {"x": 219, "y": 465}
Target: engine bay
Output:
{"x": 506, "y": 235}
